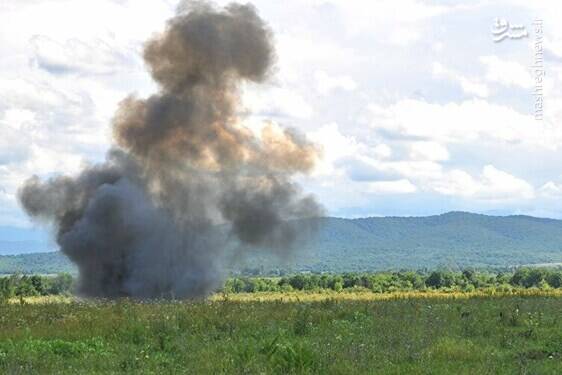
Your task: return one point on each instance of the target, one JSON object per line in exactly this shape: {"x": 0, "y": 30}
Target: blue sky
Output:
{"x": 418, "y": 111}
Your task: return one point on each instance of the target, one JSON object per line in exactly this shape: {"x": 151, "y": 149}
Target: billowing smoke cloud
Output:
{"x": 148, "y": 221}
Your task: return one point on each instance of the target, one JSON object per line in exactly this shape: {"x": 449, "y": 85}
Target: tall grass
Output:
{"x": 301, "y": 333}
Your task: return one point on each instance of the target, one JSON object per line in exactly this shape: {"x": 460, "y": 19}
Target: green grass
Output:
{"x": 479, "y": 335}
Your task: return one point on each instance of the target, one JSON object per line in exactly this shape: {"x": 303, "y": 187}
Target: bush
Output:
{"x": 26, "y": 286}
{"x": 554, "y": 279}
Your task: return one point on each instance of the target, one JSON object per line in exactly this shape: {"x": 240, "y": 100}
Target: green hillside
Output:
{"x": 452, "y": 239}
{"x": 455, "y": 239}
{"x": 38, "y": 263}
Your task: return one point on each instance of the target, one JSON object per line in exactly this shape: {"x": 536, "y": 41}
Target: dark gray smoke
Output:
{"x": 148, "y": 221}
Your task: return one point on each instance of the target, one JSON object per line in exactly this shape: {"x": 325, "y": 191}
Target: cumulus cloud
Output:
{"x": 471, "y": 86}
{"x": 362, "y": 168}
{"x": 325, "y": 83}
{"x": 335, "y": 146}
{"x": 467, "y": 121}
{"x": 13, "y": 146}
{"x": 48, "y": 112}
{"x": 74, "y": 56}
{"x": 428, "y": 151}
{"x": 551, "y": 190}
{"x": 277, "y": 102}
{"x": 382, "y": 151}
{"x": 491, "y": 184}
{"x": 394, "y": 22}
{"x": 509, "y": 73}
{"x": 402, "y": 186}
{"x": 395, "y": 93}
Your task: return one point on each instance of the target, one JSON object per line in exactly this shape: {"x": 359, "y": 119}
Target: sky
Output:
{"x": 416, "y": 108}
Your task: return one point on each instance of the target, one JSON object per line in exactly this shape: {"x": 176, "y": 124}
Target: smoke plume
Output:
{"x": 147, "y": 222}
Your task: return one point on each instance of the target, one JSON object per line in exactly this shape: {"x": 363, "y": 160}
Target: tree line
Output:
{"x": 380, "y": 282}
{"x": 385, "y": 282}
{"x": 17, "y": 285}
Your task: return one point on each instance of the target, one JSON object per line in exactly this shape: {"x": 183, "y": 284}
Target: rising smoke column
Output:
{"x": 145, "y": 223}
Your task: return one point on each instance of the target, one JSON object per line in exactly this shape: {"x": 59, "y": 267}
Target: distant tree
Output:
{"x": 520, "y": 276}
{"x": 503, "y": 278}
{"x": 535, "y": 278}
{"x": 7, "y": 288}
{"x": 285, "y": 287}
{"x": 25, "y": 288}
{"x": 543, "y": 284}
{"x": 414, "y": 279}
{"x": 338, "y": 285}
{"x": 468, "y": 275}
{"x": 60, "y": 284}
{"x": 468, "y": 288}
{"x": 12, "y": 284}
{"x": 554, "y": 279}
{"x": 350, "y": 280}
{"x": 324, "y": 282}
{"x": 298, "y": 282}
{"x": 37, "y": 284}
{"x": 435, "y": 280}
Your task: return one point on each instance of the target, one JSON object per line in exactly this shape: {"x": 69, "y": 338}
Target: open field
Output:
{"x": 298, "y": 332}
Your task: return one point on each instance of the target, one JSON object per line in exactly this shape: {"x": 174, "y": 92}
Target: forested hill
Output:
{"x": 455, "y": 239}
{"x": 452, "y": 239}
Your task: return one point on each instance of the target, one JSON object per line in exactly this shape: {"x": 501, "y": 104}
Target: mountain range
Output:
{"x": 454, "y": 239}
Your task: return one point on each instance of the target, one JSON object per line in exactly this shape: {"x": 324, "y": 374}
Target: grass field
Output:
{"x": 324, "y": 333}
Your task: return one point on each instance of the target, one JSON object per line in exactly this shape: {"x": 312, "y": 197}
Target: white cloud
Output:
{"x": 419, "y": 170}
{"x": 325, "y": 83}
{"x": 428, "y": 151}
{"x": 18, "y": 118}
{"x": 549, "y": 13}
{"x": 491, "y": 184}
{"x": 276, "y": 102}
{"x": 471, "y": 86}
{"x": 403, "y": 186}
{"x": 13, "y": 144}
{"x": 298, "y": 50}
{"x": 468, "y": 121}
{"x": 335, "y": 146}
{"x": 81, "y": 57}
{"x": 334, "y": 58}
{"x": 551, "y": 190}
{"x": 382, "y": 151}
{"x": 395, "y": 22}
{"x": 509, "y": 73}
{"x": 474, "y": 87}
{"x": 49, "y": 111}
